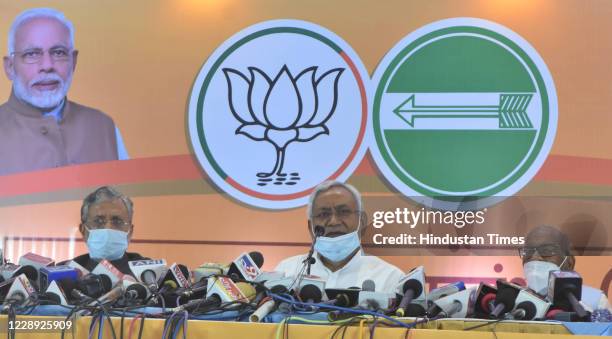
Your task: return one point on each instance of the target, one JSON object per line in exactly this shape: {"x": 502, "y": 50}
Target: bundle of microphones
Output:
{"x": 241, "y": 284}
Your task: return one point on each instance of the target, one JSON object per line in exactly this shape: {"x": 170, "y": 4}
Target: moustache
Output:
{"x": 46, "y": 78}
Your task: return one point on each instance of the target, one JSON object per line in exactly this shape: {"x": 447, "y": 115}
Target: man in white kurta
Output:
{"x": 335, "y": 210}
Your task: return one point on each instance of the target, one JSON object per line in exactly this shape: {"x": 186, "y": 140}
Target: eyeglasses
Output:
{"x": 341, "y": 213}
{"x": 545, "y": 250}
{"x": 34, "y": 55}
{"x": 100, "y": 222}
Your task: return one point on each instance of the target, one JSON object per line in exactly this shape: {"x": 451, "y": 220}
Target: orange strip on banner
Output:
{"x": 557, "y": 168}
{"x": 176, "y": 167}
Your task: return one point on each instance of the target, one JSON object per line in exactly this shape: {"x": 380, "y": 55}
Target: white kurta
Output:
{"x": 360, "y": 268}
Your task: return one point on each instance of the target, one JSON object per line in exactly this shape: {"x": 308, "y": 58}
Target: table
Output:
{"x": 447, "y": 329}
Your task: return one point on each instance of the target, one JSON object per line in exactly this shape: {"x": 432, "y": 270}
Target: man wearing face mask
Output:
{"x": 548, "y": 249}
{"x": 106, "y": 226}
{"x": 335, "y": 209}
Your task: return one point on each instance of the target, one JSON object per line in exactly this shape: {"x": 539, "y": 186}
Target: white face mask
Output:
{"x": 338, "y": 248}
{"x": 536, "y": 273}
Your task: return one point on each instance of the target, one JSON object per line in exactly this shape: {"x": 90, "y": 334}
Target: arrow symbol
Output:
{"x": 511, "y": 111}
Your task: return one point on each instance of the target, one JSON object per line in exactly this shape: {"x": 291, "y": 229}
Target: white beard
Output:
{"x": 45, "y": 100}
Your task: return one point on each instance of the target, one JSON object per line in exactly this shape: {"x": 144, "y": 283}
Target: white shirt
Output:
{"x": 361, "y": 267}
{"x": 594, "y": 299}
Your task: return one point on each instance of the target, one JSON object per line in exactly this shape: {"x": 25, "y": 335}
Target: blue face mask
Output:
{"x": 338, "y": 248}
{"x": 107, "y": 244}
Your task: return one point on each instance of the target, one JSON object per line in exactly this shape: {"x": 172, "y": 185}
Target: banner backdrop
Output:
{"x": 140, "y": 62}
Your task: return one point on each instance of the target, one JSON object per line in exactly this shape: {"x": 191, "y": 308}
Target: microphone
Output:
{"x": 90, "y": 286}
{"x": 104, "y": 267}
{"x": 310, "y": 293}
{"x": 246, "y": 266}
{"x": 485, "y": 300}
{"x": 444, "y": 291}
{"x": 248, "y": 291}
{"x": 177, "y": 276}
{"x": 372, "y": 300}
{"x": 55, "y": 294}
{"x": 110, "y": 297}
{"x": 268, "y": 305}
{"x": 456, "y": 305}
{"x": 209, "y": 269}
{"x": 505, "y": 298}
{"x": 343, "y": 297}
{"x": 196, "y": 291}
{"x": 561, "y": 315}
{"x": 529, "y": 306}
{"x": 565, "y": 291}
{"x": 82, "y": 270}
{"x": 263, "y": 310}
{"x": 411, "y": 288}
{"x": 52, "y": 273}
{"x": 310, "y": 260}
{"x": 135, "y": 291}
{"x": 148, "y": 272}
{"x": 36, "y": 262}
{"x": 220, "y": 289}
{"x": 294, "y": 284}
{"x": 20, "y": 293}
{"x": 11, "y": 270}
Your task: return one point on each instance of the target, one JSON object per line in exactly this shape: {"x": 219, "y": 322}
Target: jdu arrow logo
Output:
{"x": 511, "y": 111}
{"x": 464, "y": 114}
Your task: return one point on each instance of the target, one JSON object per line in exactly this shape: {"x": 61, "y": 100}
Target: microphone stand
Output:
{"x": 318, "y": 230}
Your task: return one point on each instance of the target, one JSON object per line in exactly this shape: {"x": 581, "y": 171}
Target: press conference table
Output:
{"x": 447, "y": 329}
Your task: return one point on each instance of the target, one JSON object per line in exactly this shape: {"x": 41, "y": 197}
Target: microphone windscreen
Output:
{"x": 368, "y": 285}
{"x": 170, "y": 284}
{"x": 140, "y": 290}
{"x": 257, "y": 258}
{"x": 529, "y": 308}
{"x": 311, "y": 292}
{"x": 414, "y": 285}
{"x": 106, "y": 283}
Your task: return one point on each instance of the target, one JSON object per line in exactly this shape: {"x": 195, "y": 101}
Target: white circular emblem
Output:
{"x": 277, "y": 109}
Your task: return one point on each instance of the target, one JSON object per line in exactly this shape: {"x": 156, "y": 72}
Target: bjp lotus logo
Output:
{"x": 282, "y": 109}
{"x": 278, "y": 108}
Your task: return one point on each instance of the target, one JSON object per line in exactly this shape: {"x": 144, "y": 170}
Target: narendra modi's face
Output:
{"x": 42, "y": 64}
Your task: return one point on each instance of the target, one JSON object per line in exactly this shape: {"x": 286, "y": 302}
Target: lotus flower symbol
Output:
{"x": 282, "y": 109}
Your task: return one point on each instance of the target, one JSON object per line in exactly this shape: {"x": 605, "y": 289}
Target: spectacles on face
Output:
{"x": 34, "y": 55}
{"x": 100, "y": 222}
{"x": 325, "y": 215}
{"x": 545, "y": 250}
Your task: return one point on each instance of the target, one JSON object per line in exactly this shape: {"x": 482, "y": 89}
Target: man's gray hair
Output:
{"x": 105, "y": 193}
{"x": 331, "y": 184}
{"x": 36, "y": 13}
{"x": 556, "y": 235}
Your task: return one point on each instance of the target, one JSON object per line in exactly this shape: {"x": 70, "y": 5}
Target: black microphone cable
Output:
{"x": 494, "y": 322}
{"x": 12, "y": 316}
